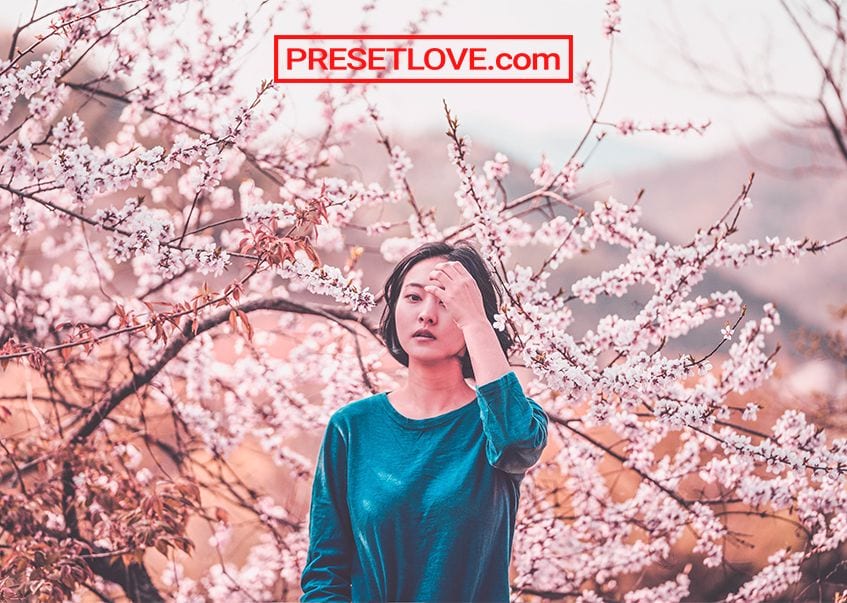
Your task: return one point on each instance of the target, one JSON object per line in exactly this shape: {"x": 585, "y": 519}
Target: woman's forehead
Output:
{"x": 421, "y": 270}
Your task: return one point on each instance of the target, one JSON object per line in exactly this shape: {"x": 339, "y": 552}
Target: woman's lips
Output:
{"x": 423, "y": 338}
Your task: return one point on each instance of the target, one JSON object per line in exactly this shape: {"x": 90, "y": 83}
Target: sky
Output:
{"x": 650, "y": 81}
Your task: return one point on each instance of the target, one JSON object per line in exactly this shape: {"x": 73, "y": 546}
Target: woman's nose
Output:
{"x": 429, "y": 307}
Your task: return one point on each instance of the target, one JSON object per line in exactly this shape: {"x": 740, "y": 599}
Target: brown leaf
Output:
{"x": 313, "y": 255}
{"x": 162, "y": 546}
{"x": 243, "y": 316}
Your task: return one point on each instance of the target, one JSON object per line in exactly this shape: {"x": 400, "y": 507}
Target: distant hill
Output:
{"x": 679, "y": 198}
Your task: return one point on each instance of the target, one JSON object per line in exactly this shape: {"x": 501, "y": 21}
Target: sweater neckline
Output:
{"x": 428, "y": 421}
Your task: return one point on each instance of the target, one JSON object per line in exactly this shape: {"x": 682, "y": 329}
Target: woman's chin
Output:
{"x": 429, "y": 354}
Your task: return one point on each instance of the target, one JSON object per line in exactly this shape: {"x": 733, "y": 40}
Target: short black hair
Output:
{"x": 475, "y": 265}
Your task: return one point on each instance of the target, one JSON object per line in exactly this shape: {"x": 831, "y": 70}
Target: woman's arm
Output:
{"x": 326, "y": 575}
{"x": 515, "y": 426}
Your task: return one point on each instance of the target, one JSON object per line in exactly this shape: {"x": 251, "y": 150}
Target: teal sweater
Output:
{"x": 421, "y": 509}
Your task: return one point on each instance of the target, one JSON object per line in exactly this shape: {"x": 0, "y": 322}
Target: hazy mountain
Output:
{"x": 679, "y": 197}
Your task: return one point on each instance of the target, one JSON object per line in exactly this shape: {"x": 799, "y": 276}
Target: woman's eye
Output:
{"x": 416, "y": 297}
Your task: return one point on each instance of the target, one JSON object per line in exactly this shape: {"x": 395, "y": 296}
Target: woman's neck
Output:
{"x": 418, "y": 399}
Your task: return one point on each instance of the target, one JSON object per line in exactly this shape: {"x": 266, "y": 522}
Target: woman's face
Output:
{"x": 417, "y": 309}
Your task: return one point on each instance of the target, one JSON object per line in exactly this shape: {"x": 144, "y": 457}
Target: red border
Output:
{"x": 377, "y": 80}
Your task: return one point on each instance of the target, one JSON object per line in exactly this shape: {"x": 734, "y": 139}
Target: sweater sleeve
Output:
{"x": 326, "y": 575}
{"x": 515, "y": 426}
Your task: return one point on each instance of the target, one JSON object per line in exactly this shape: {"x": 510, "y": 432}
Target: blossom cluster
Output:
{"x": 326, "y": 280}
{"x": 627, "y": 127}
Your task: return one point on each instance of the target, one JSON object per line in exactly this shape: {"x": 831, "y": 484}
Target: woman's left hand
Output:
{"x": 458, "y": 290}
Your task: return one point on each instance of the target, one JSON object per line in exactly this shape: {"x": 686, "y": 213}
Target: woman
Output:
{"x": 416, "y": 490}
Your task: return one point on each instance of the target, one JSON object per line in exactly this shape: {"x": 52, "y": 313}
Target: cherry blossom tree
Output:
{"x": 163, "y": 313}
